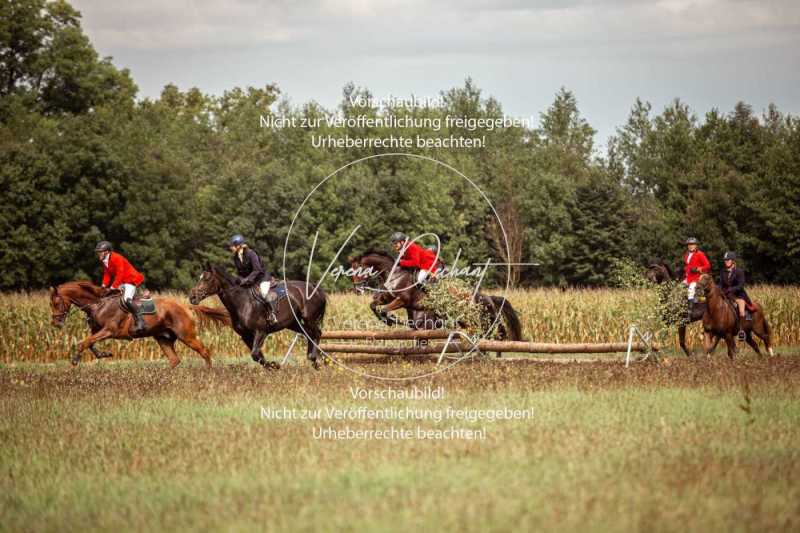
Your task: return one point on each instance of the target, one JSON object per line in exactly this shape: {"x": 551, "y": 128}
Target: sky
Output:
{"x": 709, "y": 53}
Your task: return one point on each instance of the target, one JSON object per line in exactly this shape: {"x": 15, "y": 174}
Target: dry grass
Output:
{"x": 548, "y": 315}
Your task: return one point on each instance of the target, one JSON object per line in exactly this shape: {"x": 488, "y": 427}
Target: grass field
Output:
{"x": 698, "y": 445}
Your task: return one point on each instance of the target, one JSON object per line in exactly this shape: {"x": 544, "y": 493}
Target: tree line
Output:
{"x": 169, "y": 179}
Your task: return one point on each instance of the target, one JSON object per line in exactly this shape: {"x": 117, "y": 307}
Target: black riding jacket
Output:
{"x": 732, "y": 282}
{"x": 250, "y": 268}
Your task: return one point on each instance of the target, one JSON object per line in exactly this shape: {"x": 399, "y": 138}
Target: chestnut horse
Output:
{"x": 721, "y": 320}
{"x": 107, "y": 320}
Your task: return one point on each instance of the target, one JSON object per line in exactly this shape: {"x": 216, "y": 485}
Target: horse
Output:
{"x": 403, "y": 292}
{"x": 248, "y": 316}
{"x": 721, "y": 320}
{"x": 107, "y": 320}
{"x": 659, "y": 272}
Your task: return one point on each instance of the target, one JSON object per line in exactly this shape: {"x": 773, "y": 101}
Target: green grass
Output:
{"x": 700, "y": 445}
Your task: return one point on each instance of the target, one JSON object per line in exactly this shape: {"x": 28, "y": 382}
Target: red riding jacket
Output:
{"x": 121, "y": 271}
{"x": 419, "y": 257}
{"x": 697, "y": 260}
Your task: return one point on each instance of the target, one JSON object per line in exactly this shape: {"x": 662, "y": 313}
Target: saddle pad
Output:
{"x": 146, "y": 306}
{"x": 276, "y": 293}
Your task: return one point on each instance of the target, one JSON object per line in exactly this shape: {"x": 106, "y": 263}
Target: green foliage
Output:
{"x": 450, "y": 299}
{"x": 168, "y": 180}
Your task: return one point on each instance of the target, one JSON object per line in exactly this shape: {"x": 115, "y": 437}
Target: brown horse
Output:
{"x": 721, "y": 321}
{"x": 107, "y": 320}
{"x": 398, "y": 289}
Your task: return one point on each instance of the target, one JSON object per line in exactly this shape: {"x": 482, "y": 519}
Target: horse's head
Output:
{"x": 364, "y": 268}
{"x": 706, "y": 283}
{"x": 59, "y": 307}
{"x": 208, "y": 285}
{"x": 655, "y": 274}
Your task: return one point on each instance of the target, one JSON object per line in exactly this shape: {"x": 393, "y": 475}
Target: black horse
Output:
{"x": 399, "y": 290}
{"x": 248, "y": 316}
{"x": 659, "y": 272}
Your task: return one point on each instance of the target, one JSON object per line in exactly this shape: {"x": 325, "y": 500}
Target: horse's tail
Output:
{"x": 512, "y": 322}
{"x": 207, "y": 315}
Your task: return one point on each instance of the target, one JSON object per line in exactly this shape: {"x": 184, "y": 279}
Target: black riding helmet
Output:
{"x": 104, "y": 246}
{"x": 236, "y": 240}
{"x": 399, "y": 237}
{"x": 729, "y": 256}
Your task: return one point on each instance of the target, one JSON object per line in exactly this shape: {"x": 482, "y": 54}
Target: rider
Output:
{"x": 731, "y": 281}
{"x": 118, "y": 273}
{"x": 249, "y": 266}
{"x": 695, "y": 265}
{"x": 415, "y": 256}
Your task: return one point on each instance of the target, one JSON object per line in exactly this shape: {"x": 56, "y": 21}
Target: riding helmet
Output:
{"x": 692, "y": 240}
{"x": 729, "y": 255}
{"x": 399, "y": 236}
{"x": 103, "y": 246}
{"x": 236, "y": 240}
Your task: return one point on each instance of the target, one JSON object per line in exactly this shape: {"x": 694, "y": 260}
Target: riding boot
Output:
{"x": 138, "y": 321}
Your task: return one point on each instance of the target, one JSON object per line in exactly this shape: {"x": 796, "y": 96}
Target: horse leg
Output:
{"x": 761, "y": 329}
{"x": 709, "y": 343}
{"x": 313, "y": 335}
{"x": 194, "y": 343}
{"x": 682, "y": 340}
{"x": 731, "y": 342}
{"x": 255, "y": 350}
{"x": 753, "y": 344}
{"x": 99, "y": 354}
{"x": 89, "y": 342}
{"x": 167, "y": 346}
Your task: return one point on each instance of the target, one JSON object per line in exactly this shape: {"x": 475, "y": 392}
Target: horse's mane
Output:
{"x": 87, "y": 286}
{"x": 223, "y": 273}
{"x": 373, "y": 251}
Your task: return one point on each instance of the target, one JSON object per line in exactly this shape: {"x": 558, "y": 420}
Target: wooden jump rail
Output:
{"x": 483, "y": 345}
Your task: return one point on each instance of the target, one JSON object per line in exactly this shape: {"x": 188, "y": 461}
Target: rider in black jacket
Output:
{"x": 251, "y": 271}
{"x": 731, "y": 281}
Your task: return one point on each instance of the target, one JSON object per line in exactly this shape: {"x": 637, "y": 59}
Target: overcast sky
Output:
{"x": 710, "y": 53}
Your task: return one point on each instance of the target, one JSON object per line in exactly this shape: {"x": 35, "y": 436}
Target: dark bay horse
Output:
{"x": 659, "y": 272}
{"x": 399, "y": 290}
{"x": 248, "y": 317}
{"x": 721, "y": 321}
{"x": 107, "y": 320}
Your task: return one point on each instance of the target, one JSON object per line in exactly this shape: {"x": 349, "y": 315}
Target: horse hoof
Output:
{"x": 103, "y": 355}
{"x": 315, "y": 364}
{"x": 272, "y": 365}
{"x": 75, "y": 361}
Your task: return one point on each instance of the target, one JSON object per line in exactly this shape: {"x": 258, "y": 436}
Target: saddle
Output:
{"x": 142, "y": 300}
{"x": 276, "y": 293}
{"x": 748, "y": 309}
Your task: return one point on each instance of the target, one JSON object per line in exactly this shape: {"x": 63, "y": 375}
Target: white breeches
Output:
{"x": 128, "y": 291}
{"x": 263, "y": 287}
{"x": 692, "y": 287}
{"x": 422, "y": 275}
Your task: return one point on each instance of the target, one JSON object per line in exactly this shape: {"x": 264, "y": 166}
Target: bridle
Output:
{"x": 62, "y": 316}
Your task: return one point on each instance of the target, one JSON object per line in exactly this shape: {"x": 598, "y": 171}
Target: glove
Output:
{"x": 695, "y": 270}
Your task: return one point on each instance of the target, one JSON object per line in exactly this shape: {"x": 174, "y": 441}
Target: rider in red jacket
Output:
{"x": 695, "y": 265}
{"x": 118, "y": 273}
{"x": 415, "y": 256}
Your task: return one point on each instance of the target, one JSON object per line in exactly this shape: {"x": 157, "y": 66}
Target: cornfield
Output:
{"x": 547, "y": 315}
